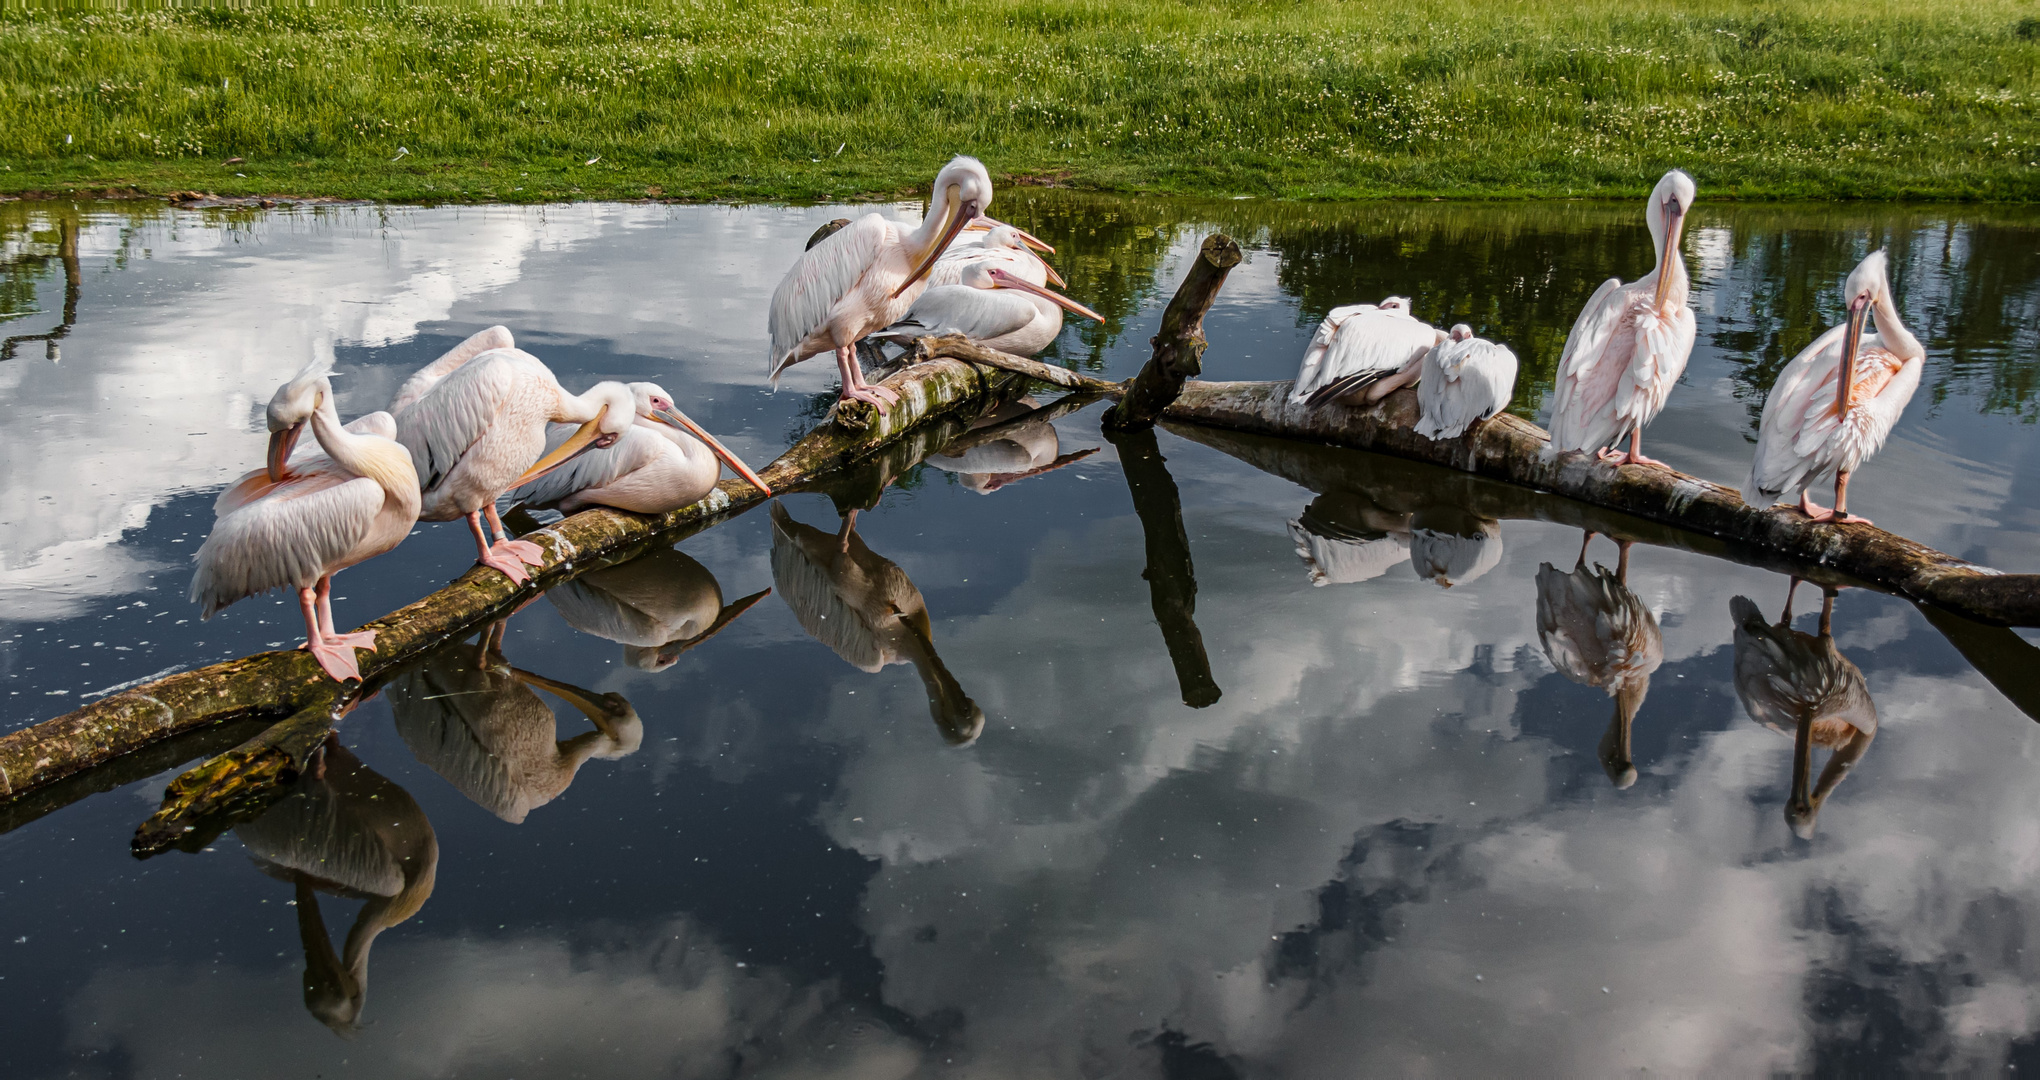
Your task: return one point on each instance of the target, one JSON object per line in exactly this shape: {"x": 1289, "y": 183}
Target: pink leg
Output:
{"x": 364, "y": 639}
{"x": 523, "y": 549}
{"x": 849, "y": 526}
{"x": 1634, "y": 455}
{"x": 853, "y": 382}
{"x": 1842, "y": 514}
{"x": 1813, "y": 509}
{"x": 335, "y": 658}
{"x": 857, "y": 366}
{"x": 503, "y": 561}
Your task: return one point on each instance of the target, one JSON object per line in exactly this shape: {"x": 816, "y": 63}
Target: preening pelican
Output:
{"x": 1009, "y": 444}
{"x": 1464, "y": 380}
{"x": 1598, "y": 633}
{"x": 425, "y": 378}
{"x": 345, "y": 830}
{"x": 657, "y": 606}
{"x": 1629, "y": 344}
{"x": 1450, "y": 546}
{"x": 992, "y": 305}
{"x": 478, "y": 722}
{"x": 1375, "y": 347}
{"x": 664, "y": 462}
{"x": 483, "y": 423}
{"x": 1345, "y": 537}
{"x": 1800, "y": 685}
{"x": 865, "y": 277}
{"x": 1835, "y": 403}
{"x": 864, "y": 608}
{"x": 296, "y": 524}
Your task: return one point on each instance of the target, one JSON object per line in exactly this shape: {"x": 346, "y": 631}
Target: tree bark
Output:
{"x": 1179, "y": 344}
{"x": 1171, "y": 578}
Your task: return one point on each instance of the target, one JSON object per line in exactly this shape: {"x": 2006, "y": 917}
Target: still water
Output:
{"x": 1192, "y": 769}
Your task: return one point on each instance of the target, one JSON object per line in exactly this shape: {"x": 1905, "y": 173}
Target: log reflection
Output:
{"x": 657, "y": 606}
{"x": 1799, "y": 684}
{"x": 1172, "y": 580}
{"x": 1597, "y": 632}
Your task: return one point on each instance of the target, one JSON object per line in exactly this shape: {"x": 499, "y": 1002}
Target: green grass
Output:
{"x": 1925, "y": 99}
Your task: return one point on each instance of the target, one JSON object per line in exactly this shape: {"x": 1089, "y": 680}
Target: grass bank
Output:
{"x": 1925, "y": 99}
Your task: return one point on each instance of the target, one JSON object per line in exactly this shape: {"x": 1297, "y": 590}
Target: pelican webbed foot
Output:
{"x": 360, "y": 639}
{"x": 510, "y": 565}
{"x": 335, "y": 659}
{"x": 524, "y": 550}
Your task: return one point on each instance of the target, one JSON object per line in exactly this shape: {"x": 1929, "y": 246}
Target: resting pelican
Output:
{"x": 999, "y": 244}
{"x": 1629, "y": 344}
{"x": 990, "y": 305}
{"x": 1380, "y": 347}
{"x": 864, "y": 277}
{"x": 656, "y": 606}
{"x": 1464, "y": 380}
{"x": 478, "y": 722}
{"x": 1450, "y": 546}
{"x": 345, "y": 830}
{"x": 296, "y": 524}
{"x": 864, "y": 608}
{"x": 1598, "y": 633}
{"x": 482, "y": 423}
{"x": 664, "y": 462}
{"x": 1345, "y": 537}
{"x": 1835, "y": 403}
{"x": 1799, "y": 684}
{"x": 1009, "y": 444}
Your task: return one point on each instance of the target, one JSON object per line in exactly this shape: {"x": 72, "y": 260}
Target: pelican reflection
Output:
{"x": 347, "y": 831}
{"x": 1345, "y": 537}
{"x": 1450, "y": 546}
{"x": 656, "y": 606}
{"x": 479, "y": 722}
{"x": 1008, "y": 444}
{"x": 864, "y": 608}
{"x": 1800, "y": 685}
{"x": 1597, "y": 632}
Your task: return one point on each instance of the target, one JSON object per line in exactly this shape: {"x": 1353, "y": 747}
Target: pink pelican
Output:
{"x": 1376, "y": 346}
{"x": 1835, "y": 403}
{"x": 297, "y": 524}
{"x": 865, "y": 276}
{"x": 1629, "y": 345}
{"x": 664, "y": 462}
{"x": 1464, "y": 380}
{"x": 993, "y": 306}
{"x": 425, "y": 378}
{"x": 483, "y": 422}
{"x": 999, "y": 244}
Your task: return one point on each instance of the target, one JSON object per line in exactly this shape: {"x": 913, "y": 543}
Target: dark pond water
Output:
{"x": 1307, "y": 830}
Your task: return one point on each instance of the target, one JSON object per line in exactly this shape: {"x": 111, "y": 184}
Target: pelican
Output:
{"x": 1629, "y": 344}
{"x": 1464, "y": 380}
{"x": 1450, "y": 546}
{"x": 865, "y": 276}
{"x": 478, "y": 722}
{"x": 1800, "y": 684}
{"x": 1376, "y": 346}
{"x": 993, "y": 306}
{"x": 1009, "y": 444}
{"x": 1345, "y": 537}
{"x": 345, "y": 830}
{"x": 450, "y": 361}
{"x": 296, "y": 524}
{"x": 483, "y": 422}
{"x": 1598, "y": 633}
{"x": 664, "y": 462}
{"x": 864, "y": 608}
{"x": 1835, "y": 403}
{"x": 656, "y": 606}
{"x": 985, "y": 240}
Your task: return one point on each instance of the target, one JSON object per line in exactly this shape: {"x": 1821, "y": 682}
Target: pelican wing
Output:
{"x": 1364, "y": 346}
{"x": 599, "y": 467}
{"x": 440, "y": 427}
{"x": 1308, "y": 375}
{"x": 1464, "y": 381}
{"x": 1582, "y": 408}
{"x": 286, "y": 538}
{"x": 427, "y": 377}
{"x": 1800, "y": 419}
{"x": 978, "y": 314}
{"x": 818, "y": 280}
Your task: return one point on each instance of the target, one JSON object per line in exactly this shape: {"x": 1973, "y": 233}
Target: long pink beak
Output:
{"x": 1003, "y": 280}
{"x": 1028, "y": 238}
{"x": 685, "y": 423}
{"x": 281, "y": 443}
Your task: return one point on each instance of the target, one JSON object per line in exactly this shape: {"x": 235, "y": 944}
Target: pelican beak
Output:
{"x": 1005, "y": 280}
{"x": 1675, "y": 221}
{"x": 281, "y": 443}
{"x": 960, "y": 212}
{"x": 1028, "y": 238}
{"x": 1052, "y": 275}
{"x": 678, "y": 419}
{"x": 596, "y": 707}
{"x": 578, "y": 443}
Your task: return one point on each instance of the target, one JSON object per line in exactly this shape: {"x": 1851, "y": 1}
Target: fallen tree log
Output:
{"x": 1179, "y": 344}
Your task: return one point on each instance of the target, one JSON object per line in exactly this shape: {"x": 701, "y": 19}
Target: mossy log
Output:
{"x": 1179, "y": 343}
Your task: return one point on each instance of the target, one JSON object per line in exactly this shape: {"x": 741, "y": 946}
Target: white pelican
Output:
{"x": 296, "y": 524}
{"x": 482, "y": 423}
{"x": 1630, "y": 343}
{"x": 1345, "y": 537}
{"x": 992, "y": 306}
{"x": 1464, "y": 380}
{"x": 999, "y": 244}
{"x": 1009, "y": 444}
{"x": 1800, "y": 685}
{"x": 345, "y": 830}
{"x": 1376, "y": 346}
{"x": 450, "y": 361}
{"x": 1598, "y": 633}
{"x": 657, "y": 606}
{"x": 864, "y": 608}
{"x": 484, "y": 728}
{"x": 1835, "y": 403}
{"x": 865, "y": 276}
{"x": 1450, "y": 546}
{"x": 664, "y": 462}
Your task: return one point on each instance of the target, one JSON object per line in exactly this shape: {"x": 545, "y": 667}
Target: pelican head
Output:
{"x": 1399, "y": 304}
{"x": 962, "y": 191}
{"x": 1462, "y": 332}
{"x": 651, "y": 401}
{"x": 611, "y": 409}
{"x": 1006, "y": 236}
{"x": 982, "y": 276}
{"x": 290, "y": 407}
{"x": 1666, "y": 215}
{"x": 1867, "y": 284}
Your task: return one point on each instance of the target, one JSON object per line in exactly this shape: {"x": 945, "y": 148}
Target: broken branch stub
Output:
{"x": 1179, "y": 345}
